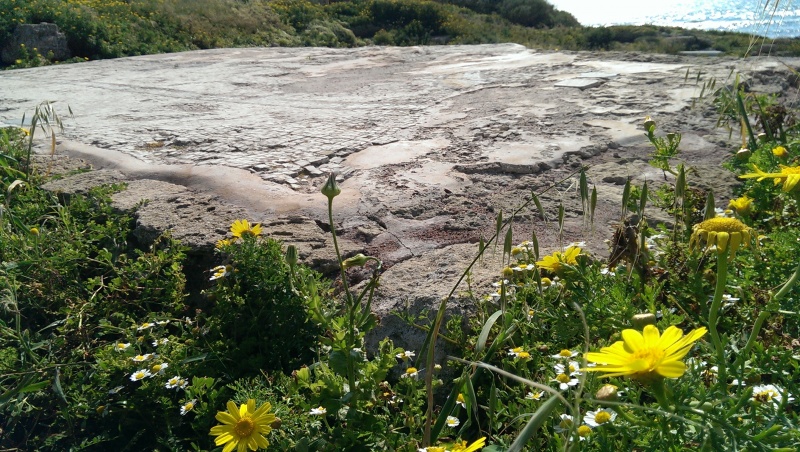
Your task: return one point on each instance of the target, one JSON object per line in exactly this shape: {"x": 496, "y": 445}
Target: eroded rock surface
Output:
{"x": 429, "y": 143}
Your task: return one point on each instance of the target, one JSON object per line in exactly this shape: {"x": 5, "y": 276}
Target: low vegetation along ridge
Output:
{"x": 98, "y": 29}
{"x": 685, "y": 338}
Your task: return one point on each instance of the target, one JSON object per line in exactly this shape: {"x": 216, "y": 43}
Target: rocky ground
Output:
{"x": 429, "y": 144}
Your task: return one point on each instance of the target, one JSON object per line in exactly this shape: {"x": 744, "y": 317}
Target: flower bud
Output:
{"x": 608, "y": 393}
{"x": 649, "y": 125}
{"x": 331, "y": 188}
{"x": 356, "y": 261}
{"x": 642, "y": 320}
{"x": 291, "y": 255}
{"x": 743, "y": 154}
{"x": 34, "y": 231}
{"x": 276, "y": 424}
{"x": 508, "y": 272}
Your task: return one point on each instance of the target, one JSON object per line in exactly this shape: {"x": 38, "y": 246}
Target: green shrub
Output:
{"x": 258, "y": 319}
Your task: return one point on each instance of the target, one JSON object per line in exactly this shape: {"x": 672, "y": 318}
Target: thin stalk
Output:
{"x": 351, "y": 378}
{"x": 769, "y": 309}
{"x": 713, "y": 315}
{"x": 434, "y": 333}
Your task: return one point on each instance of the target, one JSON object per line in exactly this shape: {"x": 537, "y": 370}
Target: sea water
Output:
{"x": 770, "y": 18}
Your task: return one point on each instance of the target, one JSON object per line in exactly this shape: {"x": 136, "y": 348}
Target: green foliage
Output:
{"x": 109, "y": 29}
{"x": 257, "y": 321}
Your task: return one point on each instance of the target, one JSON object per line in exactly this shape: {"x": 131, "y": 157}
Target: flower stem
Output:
{"x": 660, "y": 392}
{"x": 349, "y": 304}
{"x": 713, "y": 314}
{"x": 771, "y": 307}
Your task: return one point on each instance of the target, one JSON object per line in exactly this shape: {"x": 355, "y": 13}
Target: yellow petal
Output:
{"x": 633, "y": 339}
{"x": 722, "y": 241}
{"x": 225, "y": 417}
{"x": 791, "y": 182}
{"x": 650, "y": 335}
{"x": 669, "y": 337}
{"x": 671, "y": 369}
{"x": 233, "y": 410}
{"x": 230, "y": 446}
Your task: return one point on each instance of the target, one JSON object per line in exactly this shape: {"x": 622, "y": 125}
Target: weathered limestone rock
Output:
{"x": 44, "y": 37}
{"x": 429, "y": 144}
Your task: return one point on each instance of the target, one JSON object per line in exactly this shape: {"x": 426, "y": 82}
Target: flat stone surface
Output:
{"x": 429, "y": 143}
{"x": 580, "y": 83}
{"x": 598, "y": 75}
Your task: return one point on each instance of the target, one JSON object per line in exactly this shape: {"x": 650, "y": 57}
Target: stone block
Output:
{"x": 44, "y": 37}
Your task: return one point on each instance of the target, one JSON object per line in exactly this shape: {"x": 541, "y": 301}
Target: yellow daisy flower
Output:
{"x": 241, "y": 228}
{"x": 243, "y": 427}
{"x": 647, "y": 354}
{"x": 556, "y": 261}
{"x": 741, "y": 205}
{"x": 789, "y": 176}
{"x": 723, "y": 232}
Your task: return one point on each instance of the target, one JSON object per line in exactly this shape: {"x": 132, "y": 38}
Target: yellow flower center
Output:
{"x": 565, "y": 353}
{"x": 723, "y": 224}
{"x": 411, "y": 370}
{"x": 244, "y": 427}
{"x": 647, "y": 359}
{"x": 602, "y": 417}
{"x": 765, "y": 396}
{"x": 584, "y": 430}
{"x": 562, "y": 378}
{"x": 565, "y": 423}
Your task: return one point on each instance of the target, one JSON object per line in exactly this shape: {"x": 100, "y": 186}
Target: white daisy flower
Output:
{"x": 220, "y": 271}
{"x": 534, "y": 395}
{"x": 121, "y": 347}
{"x": 565, "y": 423}
{"x": 584, "y": 431}
{"x": 142, "y": 358}
{"x": 572, "y": 369}
{"x": 144, "y": 326}
{"x": 565, "y": 382}
{"x": 140, "y": 374}
{"x": 176, "y": 382}
{"x": 161, "y": 341}
{"x": 565, "y": 354}
{"x": 405, "y": 355}
{"x": 599, "y": 417}
{"x": 158, "y": 369}
{"x": 770, "y": 393}
{"x": 188, "y": 406}
{"x": 319, "y": 411}
{"x": 452, "y": 421}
